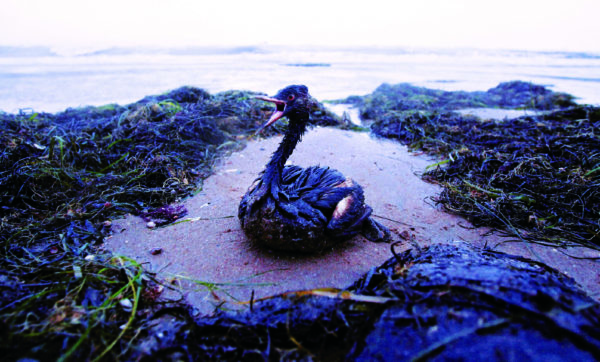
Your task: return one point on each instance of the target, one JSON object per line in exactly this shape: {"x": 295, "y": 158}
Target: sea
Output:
{"x": 40, "y": 79}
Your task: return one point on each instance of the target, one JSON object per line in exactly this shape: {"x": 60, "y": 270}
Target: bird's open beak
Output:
{"x": 278, "y": 113}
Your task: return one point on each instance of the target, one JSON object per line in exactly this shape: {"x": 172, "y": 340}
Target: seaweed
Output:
{"x": 534, "y": 173}
{"x": 457, "y": 302}
{"x": 534, "y": 177}
{"x": 406, "y": 97}
{"x": 74, "y": 308}
{"x": 64, "y": 176}
{"x": 164, "y": 215}
{"x": 442, "y": 302}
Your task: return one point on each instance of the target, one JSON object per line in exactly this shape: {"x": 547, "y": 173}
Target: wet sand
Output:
{"x": 496, "y": 113}
{"x": 211, "y": 248}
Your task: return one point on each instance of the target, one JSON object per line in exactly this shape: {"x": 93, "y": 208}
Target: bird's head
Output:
{"x": 292, "y": 101}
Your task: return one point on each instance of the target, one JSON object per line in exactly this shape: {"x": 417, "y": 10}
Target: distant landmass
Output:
{"x": 35, "y": 51}
{"x": 176, "y": 51}
{"x": 308, "y": 65}
{"x": 45, "y": 51}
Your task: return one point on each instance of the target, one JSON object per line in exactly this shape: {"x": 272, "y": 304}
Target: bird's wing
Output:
{"x": 321, "y": 187}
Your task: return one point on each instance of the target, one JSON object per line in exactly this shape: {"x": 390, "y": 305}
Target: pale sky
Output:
{"x": 509, "y": 24}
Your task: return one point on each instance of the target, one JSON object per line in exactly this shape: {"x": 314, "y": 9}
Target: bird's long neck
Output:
{"x": 274, "y": 169}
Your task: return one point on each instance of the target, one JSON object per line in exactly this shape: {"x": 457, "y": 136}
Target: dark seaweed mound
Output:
{"x": 64, "y": 175}
{"x": 440, "y": 303}
{"x": 405, "y": 97}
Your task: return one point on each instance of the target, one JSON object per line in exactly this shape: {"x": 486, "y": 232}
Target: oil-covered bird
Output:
{"x": 303, "y": 209}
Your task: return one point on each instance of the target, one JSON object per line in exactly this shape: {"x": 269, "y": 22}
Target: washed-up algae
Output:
{"x": 406, "y": 97}
{"x": 64, "y": 176}
{"x": 439, "y": 303}
{"x": 536, "y": 177}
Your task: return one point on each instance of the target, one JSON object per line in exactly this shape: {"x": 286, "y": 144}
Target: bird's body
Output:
{"x": 303, "y": 209}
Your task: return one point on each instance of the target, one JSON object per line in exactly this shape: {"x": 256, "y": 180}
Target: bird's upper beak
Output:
{"x": 278, "y": 113}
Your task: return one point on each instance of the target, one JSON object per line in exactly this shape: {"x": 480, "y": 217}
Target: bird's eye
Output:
{"x": 291, "y": 97}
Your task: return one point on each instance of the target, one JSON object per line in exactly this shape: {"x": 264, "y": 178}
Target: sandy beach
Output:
{"x": 210, "y": 248}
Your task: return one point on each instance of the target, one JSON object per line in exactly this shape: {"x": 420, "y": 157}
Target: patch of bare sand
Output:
{"x": 213, "y": 248}
{"x": 498, "y": 113}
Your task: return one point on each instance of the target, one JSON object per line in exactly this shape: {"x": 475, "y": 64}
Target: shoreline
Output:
{"x": 53, "y": 84}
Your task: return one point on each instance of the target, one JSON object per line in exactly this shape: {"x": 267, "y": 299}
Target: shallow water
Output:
{"x": 53, "y": 83}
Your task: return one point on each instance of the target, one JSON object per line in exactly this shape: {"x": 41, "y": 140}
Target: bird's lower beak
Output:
{"x": 277, "y": 114}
